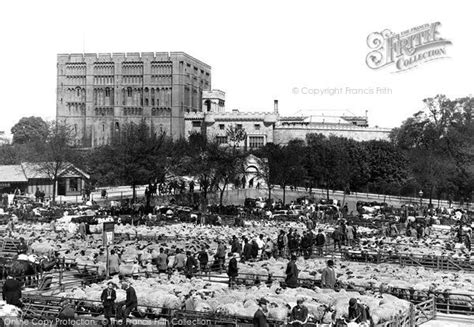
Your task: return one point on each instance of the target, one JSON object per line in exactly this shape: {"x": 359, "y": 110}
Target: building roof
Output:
{"x": 13, "y": 174}
{"x": 35, "y": 170}
{"x": 29, "y": 170}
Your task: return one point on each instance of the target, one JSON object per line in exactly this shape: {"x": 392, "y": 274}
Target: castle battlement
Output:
{"x": 228, "y": 115}
{"x": 129, "y": 56}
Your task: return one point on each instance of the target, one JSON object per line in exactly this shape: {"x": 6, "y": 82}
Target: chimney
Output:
{"x": 275, "y": 106}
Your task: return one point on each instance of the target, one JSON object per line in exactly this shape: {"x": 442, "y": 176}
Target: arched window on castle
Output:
{"x": 117, "y": 127}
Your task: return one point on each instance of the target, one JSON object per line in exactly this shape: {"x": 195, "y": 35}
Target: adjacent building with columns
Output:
{"x": 264, "y": 127}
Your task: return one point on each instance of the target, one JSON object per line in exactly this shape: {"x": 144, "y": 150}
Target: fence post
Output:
{"x": 60, "y": 277}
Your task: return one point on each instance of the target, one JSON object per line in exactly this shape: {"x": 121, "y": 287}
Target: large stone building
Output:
{"x": 98, "y": 93}
{"x": 264, "y": 127}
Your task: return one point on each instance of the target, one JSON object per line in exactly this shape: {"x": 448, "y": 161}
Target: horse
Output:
{"x": 24, "y": 270}
{"x": 28, "y": 271}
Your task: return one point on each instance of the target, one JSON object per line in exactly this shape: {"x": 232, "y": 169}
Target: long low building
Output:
{"x": 28, "y": 177}
{"x": 262, "y": 127}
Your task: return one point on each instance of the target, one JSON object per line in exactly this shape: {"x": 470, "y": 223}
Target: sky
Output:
{"x": 258, "y": 50}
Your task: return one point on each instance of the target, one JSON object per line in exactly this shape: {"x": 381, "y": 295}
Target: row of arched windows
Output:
{"x": 104, "y": 97}
{"x": 146, "y": 97}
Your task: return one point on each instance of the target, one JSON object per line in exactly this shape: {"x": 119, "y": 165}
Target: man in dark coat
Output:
{"x": 22, "y": 246}
{"x": 11, "y": 291}
{"x": 306, "y": 244}
{"x": 292, "y": 273}
{"x": 299, "y": 314}
{"x": 292, "y": 242}
{"x": 254, "y": 249}
{"x": 232, "y": 270}
{"x": 108, "y": 301}
{"x": 357, "y": 312}
{"x": 281, "y": 240}
{"x": 203, "y": 260}
{"x": 328, "y": 276}
{"x": 247, "y": 251}
{"x": 259, "y": 318}
{"x": 190, "y": 266}
{"x": 320, "y": 241}
{"x": 130, "y": 302}
{"x": 337, "y": 237}
{"x": 236, "y": 247}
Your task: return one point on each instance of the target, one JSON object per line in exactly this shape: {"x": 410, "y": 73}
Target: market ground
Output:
{"x": 237, "y": 196}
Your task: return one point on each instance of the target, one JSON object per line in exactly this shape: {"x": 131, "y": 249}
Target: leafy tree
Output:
{"x": 235, "y": 136}
{"x": 330, "y": 165}
{"x": 268, "y": 157}
{"x": 30, "y": 129}
{"x": 56, "y": 153}
{"x": 387, "y": 166}
{"x": 228, "y": 164}
{"x": 289, "y": 165}
{"x": 135, "y": 157}
{"x": 439, "y": 141}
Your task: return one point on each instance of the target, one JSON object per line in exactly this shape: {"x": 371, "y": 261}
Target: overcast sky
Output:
{"x": 258, "y": 50}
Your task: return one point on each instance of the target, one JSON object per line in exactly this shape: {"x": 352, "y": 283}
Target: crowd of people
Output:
{"x": 229, "y": 254}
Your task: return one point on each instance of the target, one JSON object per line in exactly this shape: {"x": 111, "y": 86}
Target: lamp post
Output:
{"x": 421, "y": 197}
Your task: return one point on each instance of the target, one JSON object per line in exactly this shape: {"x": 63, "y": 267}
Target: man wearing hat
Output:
{"x": 220, "y": 254}
{"x": 328, "y": 275}
{"x": 292, "y": 273}
{"x": 232, "y": 270}
{"x": 259, "y": 318}
{"x": 162, "y": 261}
{"x": 299, "y": 314}
{"x": 22, "y": 246}
{"x": 191, "y": 265}
{"x": 203, "y": 259}
{"x": 130, "y": 303}
{"x": 320, "y": 241}
{"x": 108, "y": 301}
{"x": 357, "y": 311}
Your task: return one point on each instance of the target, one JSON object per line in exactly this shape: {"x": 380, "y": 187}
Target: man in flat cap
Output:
{"x": 259, "y": 318}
